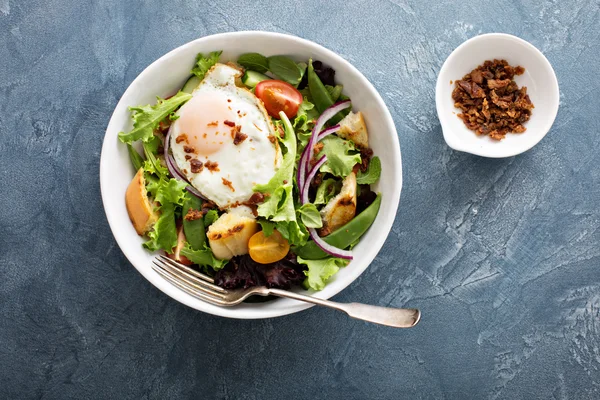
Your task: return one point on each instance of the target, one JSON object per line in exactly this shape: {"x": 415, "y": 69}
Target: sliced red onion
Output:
{"x": 173, "y": 170}
{"x": 195, "y": 192}
{"x": 327, "y": 248}
{"x": 309, "y": 178}
{"x": 325, "y": 116}
{"x": 328, "y": 132}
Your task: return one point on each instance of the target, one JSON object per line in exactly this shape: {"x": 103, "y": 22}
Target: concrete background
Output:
{"x": 502, "y": 256}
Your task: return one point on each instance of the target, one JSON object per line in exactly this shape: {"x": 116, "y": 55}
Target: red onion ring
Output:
{"x": 329, "y": 249}
{"x": 325, "y": 116}
{"x": 328, "y": 132}
{"x": 309, "y": 178}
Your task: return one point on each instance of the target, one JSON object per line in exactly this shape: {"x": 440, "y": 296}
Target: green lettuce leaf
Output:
{"x": 267, "y": 227}
{"x": 372, "y": 174}
{"x": 170, "y": 194}
{"x": 146, "y": 118}
{"x": 204, "y": 257}
{"x": 171, "y": 191}
{"x": 341, "y": 154}
{"x": 327, "y": 190}
{"x": 311, "y": 218}
{"x": 295, "y": 233}
{"x": 164, "y": 233}
{"x": 279, "y": 205}
{"x": 319, "y": 271}
{"x": 204, "y": 63}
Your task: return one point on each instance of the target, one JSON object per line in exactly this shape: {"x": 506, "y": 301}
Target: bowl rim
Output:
{"x": 552, "y": 113}
{"x": 385, "y": 224}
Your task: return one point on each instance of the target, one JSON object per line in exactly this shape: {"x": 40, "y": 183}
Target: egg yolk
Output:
{"x": 207, "y": 123}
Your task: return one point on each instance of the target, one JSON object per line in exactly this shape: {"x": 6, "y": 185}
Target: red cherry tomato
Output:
{"x": 279, "y": 96}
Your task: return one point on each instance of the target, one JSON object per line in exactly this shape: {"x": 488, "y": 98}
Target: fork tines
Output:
{"x": 190, "y": 281}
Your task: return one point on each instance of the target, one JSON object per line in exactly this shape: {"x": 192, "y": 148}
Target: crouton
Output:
{"x": 342, "y": 208}
{"x": 139, "y": 207}
{"x": 353, "y": 127}
{"x": 228, "y": 236}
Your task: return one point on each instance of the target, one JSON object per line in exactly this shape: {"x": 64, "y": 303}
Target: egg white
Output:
{"x": 253, "y": 161}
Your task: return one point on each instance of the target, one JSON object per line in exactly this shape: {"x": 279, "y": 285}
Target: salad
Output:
{"x": 256, "y": 172}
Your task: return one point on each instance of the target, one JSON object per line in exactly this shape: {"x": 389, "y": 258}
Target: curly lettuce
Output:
{"x": 146, "y": 118}
{"x": 279, "y": 206}
{"x": 169, "y": 194}
{"x": 341, "y": 154}
{"x": 204, "y": 63}
{"x": 320, "y": 271}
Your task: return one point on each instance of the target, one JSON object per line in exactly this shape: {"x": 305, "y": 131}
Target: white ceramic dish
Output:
{"x": 539, "y": 77}
{"x": 166, "y": 75}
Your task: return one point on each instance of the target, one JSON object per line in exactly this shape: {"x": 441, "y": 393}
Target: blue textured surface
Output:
{"x": 502, "y": 256}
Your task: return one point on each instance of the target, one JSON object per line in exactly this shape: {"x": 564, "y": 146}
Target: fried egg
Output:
{"x": 223, "y": 140}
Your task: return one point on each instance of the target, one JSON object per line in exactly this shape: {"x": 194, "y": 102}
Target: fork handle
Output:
{"x": 395, "y": 317}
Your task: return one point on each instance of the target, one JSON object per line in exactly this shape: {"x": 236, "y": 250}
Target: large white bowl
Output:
{"x": 166, "y": 75}
{"x": 539, "y": 78}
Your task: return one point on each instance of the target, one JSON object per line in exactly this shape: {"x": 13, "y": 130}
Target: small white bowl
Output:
{"x": 539, "y": 77}
{"x": 166, "y": 75}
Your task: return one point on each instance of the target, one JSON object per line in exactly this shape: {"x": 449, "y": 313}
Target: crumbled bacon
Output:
{"x": 196, "y": 165}
{"x": 181, "y": 138}
{"x": 212, "y": 166}
{"x": 491, "y": 101}
{"x": 228, "y": 184}
{"x": 237, "y": 135}
{"x": 193, "y": 215}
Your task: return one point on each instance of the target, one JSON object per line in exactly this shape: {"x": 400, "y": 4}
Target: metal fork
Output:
{"x": 202, "y": 287}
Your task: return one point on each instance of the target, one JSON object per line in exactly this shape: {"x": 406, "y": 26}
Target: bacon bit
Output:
{"x": 189, "y": 149}
{"x": 256, "y": 198}
{"x": 238, "y": 111}
{"x": 257, "y": 126}
{"x": 272, "y": 138}
{"x": 239, "y": 136}
{"x": 214, "y": 123}
{"x": 229, "y": 123}
{"x": 281, "y": 131}
{"x": 204, "y": 135}
{"x": 285, "y": 181}
{"x": 184, "y": 171}
{"x": 228, "y": 184}
{"x": 212, "y": 166}
{"x": 181, "y": 138}
{"x": 317, "y": 180}
{"x": 220, "y": 142}
{"x": 187, "y": 157}
{"x": 365, "y": 155}
{"x": 318, "y": 147}
{"x": 229, "y": 107}
{"x": 229, "y": 100}
{"x": 193, "y": 215}
{"x": 197, "y": 166}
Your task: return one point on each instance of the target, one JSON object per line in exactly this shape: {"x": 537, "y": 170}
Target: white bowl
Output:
{"x": 166, "y": 75}
{"x": 539, "y": 78}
